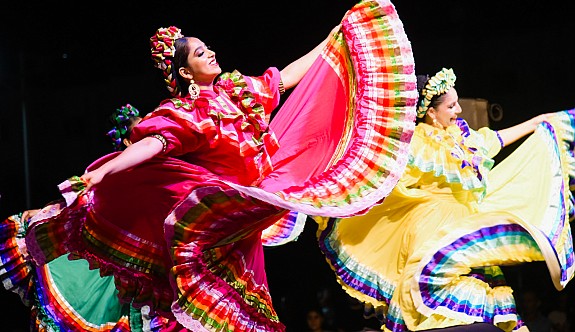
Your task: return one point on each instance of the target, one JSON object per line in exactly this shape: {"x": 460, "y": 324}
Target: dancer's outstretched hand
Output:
{"x": 28, "y": 214}
{"x": 93, "y": 178}
{"x": 541, "y": 118}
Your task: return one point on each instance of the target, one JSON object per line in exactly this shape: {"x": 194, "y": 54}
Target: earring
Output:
{"x": 436, "y": 124}
{"x": 194, "y": 90}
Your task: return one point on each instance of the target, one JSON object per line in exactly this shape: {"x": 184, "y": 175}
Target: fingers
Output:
{"x": 542, "y": 118}
{"x": 335, "y": 29}
{"x": 87, "y": 178}
{"x": 88, "y": 183}
{"x": 28, "y": 214}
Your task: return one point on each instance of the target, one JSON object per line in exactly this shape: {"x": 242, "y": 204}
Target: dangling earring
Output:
{"x": 436, "y": 124}
{"x": 194, "y": 90}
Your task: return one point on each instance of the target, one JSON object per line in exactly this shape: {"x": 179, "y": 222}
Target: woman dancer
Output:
{"x": 65, "y": 294}
{"x": 177, "y": 218}
{"x": 428, "y": 256}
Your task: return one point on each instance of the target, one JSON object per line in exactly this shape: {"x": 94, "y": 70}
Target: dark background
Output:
{"x": 65, "y": 66}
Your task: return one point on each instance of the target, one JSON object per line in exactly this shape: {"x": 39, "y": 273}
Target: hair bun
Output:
{"x": 421, "y": 81}
{"x": 163, "y": 50}
{"x": 162, "y": 45}
{"x": 121, "y": 120}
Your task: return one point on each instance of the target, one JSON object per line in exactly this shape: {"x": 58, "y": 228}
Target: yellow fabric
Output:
{"x": 459, "y": 160}
{"x": 429, "y": 209}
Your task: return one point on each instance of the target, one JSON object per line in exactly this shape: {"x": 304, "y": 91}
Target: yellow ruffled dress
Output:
{"x": 428, "y": 256}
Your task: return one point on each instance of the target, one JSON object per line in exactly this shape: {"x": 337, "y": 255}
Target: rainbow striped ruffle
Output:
{"x": 201, "y": 260}
{"x": 368, "y": 73}
{"x": 453, "y": 277}
{"x": 467, "y": 164}
{"x": 15, "y": 270}
{"x": 51, "y": 308}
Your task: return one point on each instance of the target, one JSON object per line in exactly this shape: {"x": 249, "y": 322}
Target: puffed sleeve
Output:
{"x": 266, "y": 88}
{"x": 492, "y": 141}
{"x": 178, "y": 138}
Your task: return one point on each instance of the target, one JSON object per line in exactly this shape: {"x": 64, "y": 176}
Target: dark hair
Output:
{"x": 123, "y": 120}
{"x": 315, "y": 309}
{"x": 421, "y": 81}
{"x": 435, "y": 100}
{"x": 181, "y": 60}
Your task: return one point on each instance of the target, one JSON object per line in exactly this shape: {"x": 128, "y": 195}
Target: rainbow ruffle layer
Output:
{"x": 449, "y": 275}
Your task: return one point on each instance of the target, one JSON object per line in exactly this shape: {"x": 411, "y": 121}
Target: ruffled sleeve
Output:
{"x": 493, "y": 143}
{"x": 185, "y": 126}
{"x": 266, "y": 89}
{"x": 260, "y": 90}
{"x": 484, "y": 138}
{"x": 459, "y": 156}
{"x": 170, "y": 130}
{"x": 224, "y": 131}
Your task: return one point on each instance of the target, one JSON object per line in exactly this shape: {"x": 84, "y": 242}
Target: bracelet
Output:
{"x": 500, "y": 139}
{"x": 161, "y": 139}
{"x": 281, "y": 87}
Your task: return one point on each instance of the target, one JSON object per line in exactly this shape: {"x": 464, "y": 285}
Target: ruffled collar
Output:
{"x": 457, "y": 153}
{"x": 231, "y": 113}
{"x": 235, "y": 86}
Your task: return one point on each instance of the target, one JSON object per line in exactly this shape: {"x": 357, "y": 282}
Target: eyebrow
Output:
{"x": 198, "y": 48}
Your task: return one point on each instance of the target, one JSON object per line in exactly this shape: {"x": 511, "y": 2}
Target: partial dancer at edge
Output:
{"x": 64, "y": 294}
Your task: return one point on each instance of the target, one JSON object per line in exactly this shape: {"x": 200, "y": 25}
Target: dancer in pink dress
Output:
{"x": 180, "y": 216}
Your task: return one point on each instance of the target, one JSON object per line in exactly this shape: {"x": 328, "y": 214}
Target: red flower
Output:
{"x": 227, "y": 85}
{"x": 201, "y": 102}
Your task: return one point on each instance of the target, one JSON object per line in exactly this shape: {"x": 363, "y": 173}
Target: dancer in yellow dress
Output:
{"x": 429, "y": 255}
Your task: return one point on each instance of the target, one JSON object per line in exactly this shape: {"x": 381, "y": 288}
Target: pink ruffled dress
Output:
{"x": 184, "y": 232}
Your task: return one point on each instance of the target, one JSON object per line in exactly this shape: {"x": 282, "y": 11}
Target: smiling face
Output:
{"x": 445, "y": 111}
{"x": 202, "y": 65}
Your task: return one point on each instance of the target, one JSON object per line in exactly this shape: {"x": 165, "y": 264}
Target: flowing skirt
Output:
{"x": 426, "y": 259}
{"x": 178, "y": 239}
{"x": 64, "y": 295}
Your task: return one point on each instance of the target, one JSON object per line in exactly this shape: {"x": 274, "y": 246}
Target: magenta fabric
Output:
{"x": 309, "y": 128}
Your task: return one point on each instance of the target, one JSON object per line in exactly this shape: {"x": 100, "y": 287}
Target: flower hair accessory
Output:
{"x": 437, "y": 85}
{"x": 121, "y": 119}
{"x": 163, "y": 50}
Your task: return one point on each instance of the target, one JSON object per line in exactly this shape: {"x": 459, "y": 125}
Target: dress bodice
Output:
{"x": 224, "y": 130}
{"x": 456, "y": 157}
